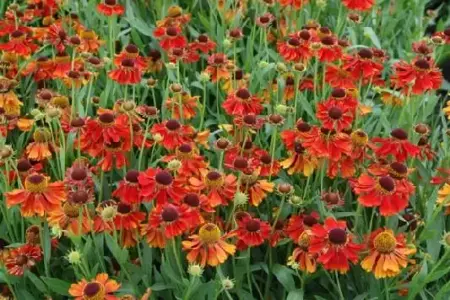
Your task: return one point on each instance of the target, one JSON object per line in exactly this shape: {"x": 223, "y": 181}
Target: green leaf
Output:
{"x": 370, "y": 33}
{"x": 37, "y": 282}
{"x": 284, "y": 276}
{"x": 295, "y": 295}
{"x": 120, "y": 254}
{"x": 57, "y": 286}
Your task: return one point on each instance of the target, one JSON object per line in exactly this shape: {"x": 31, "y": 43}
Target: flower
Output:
{"x": 23, "y": 258}
{"x": 334, "y": 245}
{"x": 69, "y": 217}
{"x": 20, "y": 44}
{"x": 296, "y": 4}
{"x": 89, "y": 41}
{"x": 420, "y": 76}
{"x": 297, "y": 48}
{"x": 334, "y": 115}
{"x": 203, "y": 44}
{"x": 170, "y": 37}
{"x": 38, "y": 195}
{"x": 301, "y": 258}
{"x": 330, "y": 50}
{"x": 40, "y": 149}
{"x": 100, "y": 288}
{"x": 444, "y": 195}
{"x": 172, "y": 219}
{"x": 128, "y": 190}
{"x": 383, "y": 192}
{"x": 397, "y": 145}
{"x": 208, "y": 247}
{"x": 360, "y": 5}
{"x": 219, "y": 188}
{"x": 127, "y": 218}
{"x": 388, "y": 254}
{"x": 110, "y": 8}
{"x": 127, "y": 73}
{"x": 252, "y": 231}
{"x": 242, "y": 102}
{"x": 362, "y": 65}
{"x": 300, "y": 161}
{"x": 173, "y": 133}
{"x": 160, "y": 185}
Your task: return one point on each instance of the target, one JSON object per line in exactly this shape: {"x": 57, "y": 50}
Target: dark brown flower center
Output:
{"x": 110, "y": 2}
{"x": 387, "y": 183}
{"x": 169, "y": 214}
{"x": 123, "y": 208}
{"x": 154, "y": 54}
{"x": 303, "y": 127}
{"x": 131, "y": 48}
{"x": 253, "y": 226}
{"x": 213, "y": 175}
{"x": 74, "y": 40}
{"x": 275, "y": 119}
{"x": 422, "y": 64}
{"x": 78, "y": 174}
{"x": 399, "y": 168}
{"x": 266, "y": 159}
{"x": 192, "y": 199}
{"x": 365, "y": 53}
{"x": 203, "y": 38}
{"x": 173, "y": 125}
{"x": 328, "y": 41}
{"x": 249, "y": 119}
{"x": 17, "y": 34}
{"x": 127, "y": 62}
{"x": 305, "y": 35}
{"x": 21, "y": 260}
{"x": 74, "y": 74}
{"x": 399, "y": 134}
{"x": 185, "y": 148}
{"x": 335, "y": 113}
{"x": 337, "y": 236}
{"x": 235, "y": 33}
{"x": 298, "y": 148}
{"x": 80, "y": 197}
{"x": 309, "y": 220}
{"x": 338, "y": 93}
{"x": 77, "y": 123}
{"x": 332, "y": 198}
{"x": 24, "y": 165}
{"x": 163, "y": 178}
{"x": 325, "y": 30}
{"x": 289, "y": 81}
{"x": 172, "y": 31}
{"x": 264, "y": 19}
{"x": 222, "y": 143}
{"x": 106, "y": 118}
{"x": 92, "y": 289}
{"x": 240, "y": 163}
{"x": 294, "y": 42}
{"x": 35, "y": 179}
{"x": 243, "y": 94}
{"x": 132, "y": 176}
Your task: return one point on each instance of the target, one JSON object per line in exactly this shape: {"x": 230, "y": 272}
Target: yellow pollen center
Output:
{"x": 34, "y": 186}
{"x": 214, "y": 183}
{"x": 385, "y": 242}
{"x": 209, "y": 233}
{"x": 304, "y": 241}
{"x": 87, "y": 35}
{"x": 71, "y": 210}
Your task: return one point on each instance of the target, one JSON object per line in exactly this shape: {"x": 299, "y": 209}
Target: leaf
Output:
{"x": 284, "y": 276}
{"x": 295, "y": 295}
{"x": 58, "y": 286}
{"x": 161, "y": 286}
{"x": 37, "y": 282}
{"x": 120, "y": 254}
{"x": 370, "y": 33}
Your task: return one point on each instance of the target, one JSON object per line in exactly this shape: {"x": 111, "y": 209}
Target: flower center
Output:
{"x": 106, "y": 119}
{"x": 243, "y": 94}
{"x": 398, "y": 170}
{"x": 110, "y": 2}
{"x": 36, "y": 183}
{"x": 335, "y": 113}
{"x": 309, "y": 220}
{"x": 21, "y": 260}
{"x": 172, "y": 31}
{"x": 77, "y": 123}
{"x": 80, "y": 197}
{"x": 128, "y": 63}
{"x": 332, "y": 198}
{"x": 170, "y": 214}
{"x": 294, "y": 42}
{"x": 23, "y": 165}
{"x": 214, "y": 179}
{"x": 305, "y": 35}
{"x": 338, "y": 93}
{"x": 422, "y": 64}
{"x": 41, "y": 135}
{"x": 337, "y": 236}
{"x": 303, "y": 127}
{"x": 184, "y": 151}
{"x": 192, "y": 200}
{"x": 123, "y": 208}
{"x": 252, "y": 226}
{"x": 264, "y": 19}
{"x": 132, "y": 176}
{"x": 304, "y": 240}
{"x": 173, "y": 125}
{"x": 385, "y": 242}
{"x": 328, "y": 41}
{"x": 240, "y": 163}
{"x": 209, "y": 233}
{"x": 365, "y": 53}
{"x": 387, "y": 184}
{"x": 163, "y": 178}
{"x": 94, "y": 291}
{"x": 298, "y": 148}
{"x": 71, "y": 210}
{"x": 154, "y": 54}
{"x": 203, "y": 38}
{"x": 266, "y": 159}
{"x": 399, "y": 134}
{"x": 249, "y": 119}
{"x": 78, "y": 174}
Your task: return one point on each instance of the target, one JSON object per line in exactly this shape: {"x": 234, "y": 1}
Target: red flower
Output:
{"x": 62, "y": 65}
{"x": 19, "y": 43}
{"x": 306, "y": 261}
{"x": 219, "y": 188}
{"x": 170, "y": 37}
{"x": 329, "y": 50}
{"x": 397, "y": 145}
{"x": 334, "y": 115}
{"x": 203, "y": 44}
{"x": 114, "y": 155}
{"x": 173, "y": 133}
{"x": 334, "y": 245}
{"x": 128, "y": 190}
{"x": 127, "y": 73}
{"x": 242, "y": 103}
{"x": 298, "y": 223}
{"x": 362, "y": 65}
{"x": 174, "y": 220}
{"x": 418, "y": 77}
{"x": 127, "y": 218}
{"x": 159, "y": 185}
{"x": 110, "y": 7}
{"x": 131, "y": 52}
{"x": 381, "y": 191}
{"x": 297, "y": 48}
{"x": 296, "y": 4}
{"x": 328, "y": 143}
{"x": 186, "y": 55}
{"x": 262, "y": 161}
{"x": 217, "y": 67}
{"x": 252, "y": 231}
{"x": 358, "y": 4}
{"x": 23, "y": 258}
{"x": 191, "y": 162}
{"x": 337, "y": 76}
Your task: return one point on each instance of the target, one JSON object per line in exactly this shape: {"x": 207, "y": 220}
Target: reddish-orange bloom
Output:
{"x": 397, "y": 145}
{"x": 203, "y": 44}
{"x": 338, "y": 77}
{"x": 67, "y": 217}
{"x": 20, "y": 44}
{"x": 170, "y": 37}
{"x": 209, "y": 246}
{"x": 360, "y": 5}
{"x": 329, "y": 50}
{"x": 188, "y": 105}
{"x": 42, "y": 69}
{"x": 100, "y": 288}
{"x": 297, "y": 48}
{"x": 420, "y": 76}
{"x": 306, "y": 261}
{"x": 57, "y": 36}
{"x": 89, "y": 41}
{"x": 173, "y": 133}
{"x": 127, "y": 218}
{"x": 191, "y": 162}
{"x": 257, "y": 189}
{"x": 127, "y": 73}
{"x": 388, "y": 253}
{"x": 23, "y": 258}
{"x": 262, "y": 161}
{"x": 113, "y": 155}
{"x": 217, "y": 67}
{"x": 300, "y": 161}
{"x": 154, "y": 235}
{"x": 219, "y": 188}
{"x": 299, "y": 223}
{"x": 297, "y": 4}
{"x": 40, "y": 149}
{"x": 334, "y": 115}
{"x": 334, "y": 245}
{"x": 172, "y": 219}
{"x": 242, "y": 102}
{"x": 382, "y": 191}
{"x": 362, "y": 65}
{"x": 160, "y": 185}
{"x": 328, "y": 143}
{"x": 110, "y": 7}
{"x": 62, "y": 65}
{"x": 38, "y": 196}
{"x": 252, "y": 231}
{"x": 128, "y": 190}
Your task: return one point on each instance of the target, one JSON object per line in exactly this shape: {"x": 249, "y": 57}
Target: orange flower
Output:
{"x": 127, "y": 218}
{"x": 23, "y": 258}
{"x": 256, "y": 189}
{"x": 219, "y": 188}
{"x": 188, "y": 105}
{"x": 128, "y": 189}
{"x": 126, "y": 73}
{"x": 252, "y": 231}
{"x": 173, "y": 133}
{"x": 191, "y": 162}
{"x": 110, "y": 8}
{"x": 208, "y": 246}
{"x": 242, "y": 102}
{"x": 154, "y": 235}
{"x": 217, "y": 67}
{"x": 306, "y": 261}
{"x": 360, "y": 5}
{"x": 89, "y": 41}
{"x": 19, "y": 43}
{"x": 300, "y": 161}
{"x": 160, "y": 185}
{"x": 174, "y": 220}
{"x": 38, "y": 197}
{"x": 67, "y": 217}
{"x": 334, "y": 115}
{"x": 100, "y": 288}
{"x": 297, "y": 48}
{"x": 388, "y": 254}
{"x": 170, "y": 37}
